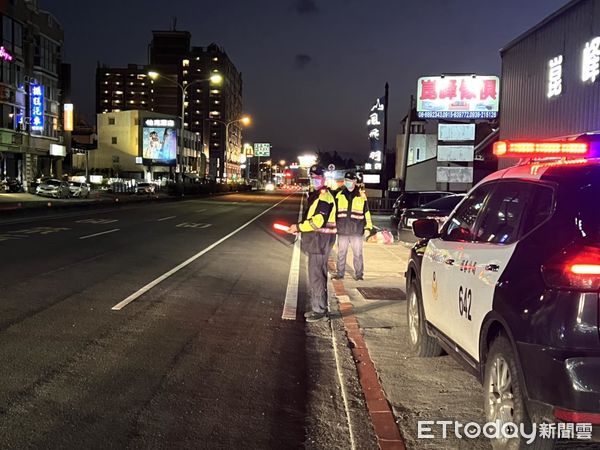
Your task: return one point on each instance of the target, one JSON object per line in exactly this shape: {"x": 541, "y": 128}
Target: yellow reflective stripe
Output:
{"x": 369, "y": 224}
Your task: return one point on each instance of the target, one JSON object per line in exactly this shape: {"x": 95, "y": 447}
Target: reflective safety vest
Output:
{"x": 353, "y": 215}
{"x": 320, "y": 216}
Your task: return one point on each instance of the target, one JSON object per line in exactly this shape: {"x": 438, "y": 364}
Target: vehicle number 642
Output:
{"x": 464, "y": 302}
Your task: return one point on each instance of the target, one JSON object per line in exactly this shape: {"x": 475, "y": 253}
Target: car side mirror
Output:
{"x": 425, "y": 228}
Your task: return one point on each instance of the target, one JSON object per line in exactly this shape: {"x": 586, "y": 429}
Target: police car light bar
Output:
{"x": 510, "y": 149}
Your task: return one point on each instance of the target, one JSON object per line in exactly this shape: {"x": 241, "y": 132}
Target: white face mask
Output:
{"x": 317, "y": 182}
{"x": 350, "y": 184}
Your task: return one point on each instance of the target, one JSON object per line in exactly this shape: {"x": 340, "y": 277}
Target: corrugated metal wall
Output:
{"x": 526, "y": 112}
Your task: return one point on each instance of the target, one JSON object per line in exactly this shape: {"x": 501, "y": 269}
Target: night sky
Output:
{"x": 311, "y": 68}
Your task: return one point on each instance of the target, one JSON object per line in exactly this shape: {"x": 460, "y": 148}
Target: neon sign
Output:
{"x": 37, "y": 107}
{"x": 4, "y": 55}
{"x": 555, "y": 76}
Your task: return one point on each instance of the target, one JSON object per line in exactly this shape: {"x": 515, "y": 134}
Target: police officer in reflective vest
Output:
{"x": 318, "y": 236}
{"x": 353, "y": 219}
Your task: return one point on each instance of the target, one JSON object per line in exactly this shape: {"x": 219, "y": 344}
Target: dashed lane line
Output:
{"x": 166, "y": 218}
{"x": 100, "y": 234}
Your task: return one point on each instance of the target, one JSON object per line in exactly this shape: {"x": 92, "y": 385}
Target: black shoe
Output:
{"x": 337, "y": 277}
{"x": 316, "y": 317}
{"x": 360, "y": 278}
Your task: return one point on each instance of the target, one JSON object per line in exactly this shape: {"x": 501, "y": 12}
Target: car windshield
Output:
{"x": 52, "y": 183}
{"x": 75, "y": 184}
{"x": 444, "y": 203}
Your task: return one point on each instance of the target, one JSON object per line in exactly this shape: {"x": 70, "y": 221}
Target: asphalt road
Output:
{"x": 200, "y": 360}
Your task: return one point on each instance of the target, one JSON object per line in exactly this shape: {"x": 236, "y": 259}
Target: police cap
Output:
{"x": 350, "y": 176}
{"x": 317, "y": 171}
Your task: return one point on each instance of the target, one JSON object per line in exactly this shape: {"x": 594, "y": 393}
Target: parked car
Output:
{"x": 11, "y": 185}
{"x": 81, "y": 190}
{"x": 438, "y": 209}
{"x": 510, "y": 287}
{"x": 53, "y": 188}
{"x": 414, "y": 199}
{"x": 145, "y": 188}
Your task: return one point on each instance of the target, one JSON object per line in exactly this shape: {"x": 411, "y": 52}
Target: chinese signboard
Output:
{"x": 456, "y": 132}
{"x": 555, "y": 76}
{"x": 453, "y": 153}
{"x": 36, "y": 98}
{"x": 454, "y": 175}
{"x": 159, "y": 123}
{"x": 458, "y": 97}
{"x": 375, "y": 128}
{"x": 262, "y": 149}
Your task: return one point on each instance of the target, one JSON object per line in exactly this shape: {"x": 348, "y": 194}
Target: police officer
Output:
{"x": 353, "y": 220}
{"x": 318, "y": 236}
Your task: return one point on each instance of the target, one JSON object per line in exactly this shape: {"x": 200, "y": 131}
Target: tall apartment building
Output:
{"x": 211, "y": 108}
{"x": 119, "y": 89}
{"x": 32, "y": 86}
{"x": 208, "y": 109}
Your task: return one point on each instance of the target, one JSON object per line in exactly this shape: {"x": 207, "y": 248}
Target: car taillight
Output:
{"x": 577, "y": 267}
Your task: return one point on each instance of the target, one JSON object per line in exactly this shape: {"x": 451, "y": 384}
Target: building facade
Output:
{"x": 551, "y": 77}
{"x": 211, "y": 112}
{"x": 143, "y": 145}
{"x": 119, "y": 89}
{"x": 32, "y": 87}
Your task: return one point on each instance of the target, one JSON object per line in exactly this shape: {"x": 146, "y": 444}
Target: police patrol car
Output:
{"x": 510, "y": 287}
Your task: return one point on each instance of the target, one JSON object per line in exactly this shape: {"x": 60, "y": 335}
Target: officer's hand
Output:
{"x": 367, "y": 232}
{"x": 293, "y": 229}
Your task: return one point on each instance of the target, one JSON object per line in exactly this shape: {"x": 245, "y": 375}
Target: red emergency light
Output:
{"x": 510, "y": 149}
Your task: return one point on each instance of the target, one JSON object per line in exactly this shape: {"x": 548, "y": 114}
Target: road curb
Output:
{"x": 382, "y": 418}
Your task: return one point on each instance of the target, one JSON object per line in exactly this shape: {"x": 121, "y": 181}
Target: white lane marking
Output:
{"x": 188, "y": 261}
{"x": 201, "y": 210}
{"x": 166, "y": 218}
{"x": 340, "y": 373}
{"x": 97, "y": 221}
{"x": 99, "y": 234}
{"x": 290, "y": 305}
{"x": 193, "y": 225}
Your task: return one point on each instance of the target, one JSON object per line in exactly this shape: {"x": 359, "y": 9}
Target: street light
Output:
{"x": 215, "y": 79}
{"x": 244, "y": 120}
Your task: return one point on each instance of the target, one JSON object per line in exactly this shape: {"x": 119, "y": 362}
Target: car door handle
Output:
{"x": 449, "y": 261}
{"x": 492, "y": 267}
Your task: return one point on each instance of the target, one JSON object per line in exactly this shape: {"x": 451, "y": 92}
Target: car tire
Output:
{"x": 421, "y": 344}
{"x": 504, "y": 396}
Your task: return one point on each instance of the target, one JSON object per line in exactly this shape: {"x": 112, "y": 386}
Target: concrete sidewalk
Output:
{"x": 415, "y": 388}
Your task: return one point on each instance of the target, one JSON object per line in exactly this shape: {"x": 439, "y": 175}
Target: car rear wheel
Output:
{"x": 504, "y": 399}
{"x": 421, "y": 344}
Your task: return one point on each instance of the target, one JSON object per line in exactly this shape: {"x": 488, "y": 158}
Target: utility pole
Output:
{"x": 407, "y": 126}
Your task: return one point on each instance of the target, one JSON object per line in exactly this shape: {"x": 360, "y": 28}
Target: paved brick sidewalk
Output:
{"x": 416, "y": 388}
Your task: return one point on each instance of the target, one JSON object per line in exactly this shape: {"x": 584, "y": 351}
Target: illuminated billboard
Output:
{"x": 159, "y": 144}
{"x": 68, "y": 117}
{"x": 458, "y": 97}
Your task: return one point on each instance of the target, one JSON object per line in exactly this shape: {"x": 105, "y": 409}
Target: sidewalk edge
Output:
{"x": 382, "y": 418}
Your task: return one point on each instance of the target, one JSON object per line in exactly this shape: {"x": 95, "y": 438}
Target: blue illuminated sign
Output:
{"x": 36, "y": 98}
